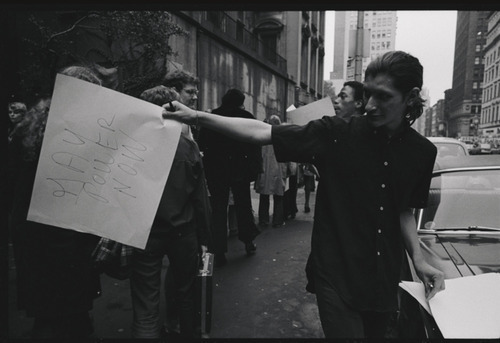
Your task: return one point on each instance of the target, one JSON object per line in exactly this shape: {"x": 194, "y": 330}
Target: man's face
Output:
{"x": 189, "y": 95}
{"x": 345, "y": 105}
{"x": 385, "y": 105}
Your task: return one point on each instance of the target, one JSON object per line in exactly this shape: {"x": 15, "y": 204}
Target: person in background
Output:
{"x": 290, "y": 196}
{"x": 56, "y": 279}
{"x": 181, "y": 230}
{"x": 349, "y": 101}
{"x": 310, "y": 175}
{"x": 230, "y": 166}
{"x": 17, "y": 111}
{"x": 271, "y": 182}
{"x": 361, "y": 224}
{"x": 186, "y": 84}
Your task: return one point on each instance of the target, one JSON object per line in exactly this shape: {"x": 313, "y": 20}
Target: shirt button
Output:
{"x": 378, "y": 253}
{"x": 386, "y": 163}
{"x": 381, "y": 208}
{"x": 383, "y": 185}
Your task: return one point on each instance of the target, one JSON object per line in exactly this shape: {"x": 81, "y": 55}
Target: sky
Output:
{"x": 427, "y": 35}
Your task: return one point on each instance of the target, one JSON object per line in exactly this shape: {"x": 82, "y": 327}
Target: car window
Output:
{"x": 463, "y": 199}
{"x": 450, "y": 150}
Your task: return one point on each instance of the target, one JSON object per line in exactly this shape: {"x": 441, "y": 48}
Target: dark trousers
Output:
{"x": 219, "y": 199}
{"x": 341, "y": 321}
{"x": 145, "y": 283}
{"x": 290, "y": 197}
{"x": 278, "y": 211}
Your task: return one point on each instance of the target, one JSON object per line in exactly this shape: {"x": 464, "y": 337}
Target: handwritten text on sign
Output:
{"x": 104, "y": 162}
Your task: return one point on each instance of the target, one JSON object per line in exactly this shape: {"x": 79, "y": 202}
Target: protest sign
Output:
{"x": 312, "y": 111}
{"x": 104, "y": 162}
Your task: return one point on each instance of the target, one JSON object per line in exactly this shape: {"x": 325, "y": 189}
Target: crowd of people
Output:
{"x": 368, "y": 166}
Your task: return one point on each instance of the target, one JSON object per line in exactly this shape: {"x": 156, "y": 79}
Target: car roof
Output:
{"x": 445, "y": 140}
{"x": 467, "y": 162}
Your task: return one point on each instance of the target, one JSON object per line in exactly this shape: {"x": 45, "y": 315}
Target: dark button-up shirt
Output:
{"x": 366, "y": 180}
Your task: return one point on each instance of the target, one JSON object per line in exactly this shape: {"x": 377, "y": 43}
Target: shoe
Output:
{"x": 250, "y": 248}
{"x": 219, "y": 260}
{"x": 278, "y": 225}
{"x": 307, "y": 209}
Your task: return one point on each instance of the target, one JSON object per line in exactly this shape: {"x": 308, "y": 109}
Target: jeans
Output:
{"x": 145, "y": 283}
{"x": 339, "y": 320}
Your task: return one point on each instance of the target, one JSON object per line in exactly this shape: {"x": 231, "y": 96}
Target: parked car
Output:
{"x": 449, "y": 147}
{"x": 485, "y": 148}
{"x": 469, "y": 144}
{"x": 458, "y": 232}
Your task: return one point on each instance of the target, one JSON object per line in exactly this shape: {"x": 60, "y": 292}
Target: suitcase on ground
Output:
{"x": 204, "y": 295}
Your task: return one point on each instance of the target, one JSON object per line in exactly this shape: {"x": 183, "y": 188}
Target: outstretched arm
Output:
{"x": 432, "y": 278}
{"x": 242, "y": 129}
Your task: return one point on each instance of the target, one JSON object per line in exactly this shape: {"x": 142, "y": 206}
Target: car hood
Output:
{"x": 462, "y": 254}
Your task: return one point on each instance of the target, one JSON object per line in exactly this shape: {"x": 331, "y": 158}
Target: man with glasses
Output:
{"x": 186, "y": 84}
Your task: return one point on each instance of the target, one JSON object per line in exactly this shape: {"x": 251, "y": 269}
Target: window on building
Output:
{"x": 476, "y": 60}
{"x": 478, "y": 48}
{"x": 474, "y": 85}
{"x": 269, "y": 41}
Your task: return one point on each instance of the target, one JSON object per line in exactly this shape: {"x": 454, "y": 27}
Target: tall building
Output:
{"x": 420, "y": 123}
{"x": 489, "y": 124}
{"x": 381, "y": 28}
{"x": 468, "y": 70}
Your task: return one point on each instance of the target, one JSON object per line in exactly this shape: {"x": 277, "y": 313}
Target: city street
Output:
{"x": 259, "y": 296}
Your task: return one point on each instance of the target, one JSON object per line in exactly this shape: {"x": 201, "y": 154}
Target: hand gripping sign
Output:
{"x": 104, "y": 162}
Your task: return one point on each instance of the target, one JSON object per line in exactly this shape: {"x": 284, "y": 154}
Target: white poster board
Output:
{"x": 468, "y": 307}
{"x": 104, "y": 162}
{"x": 314, "y": 110}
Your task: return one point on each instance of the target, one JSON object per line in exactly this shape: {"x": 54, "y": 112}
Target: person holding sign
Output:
{"x": 362, "y": 223}
{"x": 180, "y": 230}
{"x": 56, "y": 278}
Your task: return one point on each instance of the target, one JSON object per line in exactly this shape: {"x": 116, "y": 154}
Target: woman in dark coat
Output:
{"x": 56, "y": 278}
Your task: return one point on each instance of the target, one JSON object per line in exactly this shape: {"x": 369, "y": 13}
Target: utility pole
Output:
{"x": 358, "y": 58}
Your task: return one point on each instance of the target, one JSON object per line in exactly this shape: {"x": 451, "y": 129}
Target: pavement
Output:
{"x": 258, "y": 296}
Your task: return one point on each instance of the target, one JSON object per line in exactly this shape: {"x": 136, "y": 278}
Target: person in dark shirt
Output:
{"x": 230, "y": 165}
{"x": 57, "y": 281}
{"x": 180, "y": 230}
{"x": 349, "y": 101}
{"x": 362, "y": 224}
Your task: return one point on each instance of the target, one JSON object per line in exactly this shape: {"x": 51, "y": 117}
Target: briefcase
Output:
{"x": 204, "y": 294}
